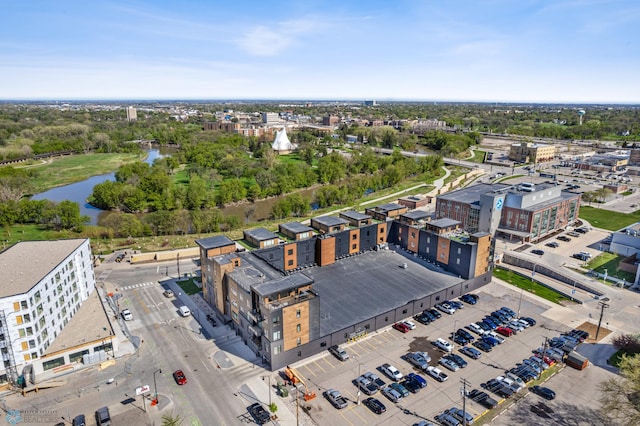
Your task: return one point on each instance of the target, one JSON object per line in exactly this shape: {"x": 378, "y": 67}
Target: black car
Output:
{"x": 464, "y": 333}
{"x": 482, "y": 398}
{"x": 546, "y": 393}
{"x": 531, "y": 321}
{"x": 471, "y": 299}
{"x": 429, "y": 315}
{"x": 485, "y": 347}
{"x": 537, "y": 251}
{"x": 374, "y": 405}
{"x": 552, "y": 244}
{"x": 422, "y": 318}
{"x": 563, "y": 238}
{"x": 498, "y": 388}
{"x": 435, "y": 313}
{"x": 457, "y": 359}
{"x": 411, "y": 385}
{"x": 461, "y": 340}
{"x": 259, "y": 414}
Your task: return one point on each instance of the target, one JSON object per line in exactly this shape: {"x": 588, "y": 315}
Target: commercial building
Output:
{"x": 299, "y": 297}
{"x": 330, "y": 120}
{"x": 522, "y": 212}
{"x": 132, "y": 114}
{"x": 270, "y": 117}
{"x": 46, "y": 284}
{"x": 527, "y": 152}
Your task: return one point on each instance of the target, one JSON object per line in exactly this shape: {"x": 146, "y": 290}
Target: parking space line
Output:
{"x": 352, "y": 349}
{"x": 345, "y": 419}
{"x": 327, "y": 361}
{"x": 306, "y": 367}
{"x": 371, "y": 345}
{"x": 316, "y": 363}
{"x": 357, "y": 414}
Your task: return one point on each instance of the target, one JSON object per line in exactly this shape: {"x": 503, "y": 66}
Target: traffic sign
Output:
{"x": 142, "y": 390}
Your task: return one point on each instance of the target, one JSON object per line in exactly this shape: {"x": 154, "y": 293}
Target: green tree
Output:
{"x": 332, "y": 168}
{"x": 620, "y": 396}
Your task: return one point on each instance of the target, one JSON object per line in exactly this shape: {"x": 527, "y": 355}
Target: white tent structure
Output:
{"x": 282, "y": 144}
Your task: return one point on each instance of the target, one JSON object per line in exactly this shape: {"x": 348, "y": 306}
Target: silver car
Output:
{"x": 392, "y": 394}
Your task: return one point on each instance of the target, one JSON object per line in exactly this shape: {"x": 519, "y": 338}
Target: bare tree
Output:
{"x": 620, "y": 400}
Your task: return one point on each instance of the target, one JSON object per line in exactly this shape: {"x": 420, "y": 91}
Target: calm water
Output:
{"x": 80, "y": 191}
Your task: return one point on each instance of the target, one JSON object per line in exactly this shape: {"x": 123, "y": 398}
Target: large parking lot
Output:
{"x": 389, "y": 346}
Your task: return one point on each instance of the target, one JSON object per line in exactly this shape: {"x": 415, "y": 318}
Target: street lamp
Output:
{"x": 455, "y": 327}
{"x": 605, "y": 276}
{"x": 359, "y": 365}
{"x": 155, "y": 385}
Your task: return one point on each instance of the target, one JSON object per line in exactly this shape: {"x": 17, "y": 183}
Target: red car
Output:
{"x": 401, "y": 327}
{"x": 549, "y": 361}
{"x": 180, "y": 378}
{"x": 505, "y": 331}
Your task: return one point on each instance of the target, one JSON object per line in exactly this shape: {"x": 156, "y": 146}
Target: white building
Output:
{"x": 270, "y": 117}
{"x": 282, "y": 144}
{"x": 132, "y": 114}
{"x": 44, "y": 285}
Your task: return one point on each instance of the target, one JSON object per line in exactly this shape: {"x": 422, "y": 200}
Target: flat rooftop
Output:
{"x": 376, "y": 282}
{"x": 388, "y": 207}
{"x": 444, "y": 223}
{"x": 252, "y": 270}
{"x": 354, "y": 215}
{"x": 89, "y": 324}
{"x": 471, "y": 194}
{"x": 330, "y": 220}
{"x": 296, "y": 227}
{"x": 416, "y": 215}
{"x": 215, "y": 242}
{"x": 260, "y": 234}
{"x": 25, "y": 264}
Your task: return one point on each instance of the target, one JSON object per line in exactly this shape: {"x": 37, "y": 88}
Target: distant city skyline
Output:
{"x": 537, "y": 51}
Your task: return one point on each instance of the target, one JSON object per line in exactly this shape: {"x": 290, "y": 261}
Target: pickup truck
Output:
{"x": 335, "y": 398}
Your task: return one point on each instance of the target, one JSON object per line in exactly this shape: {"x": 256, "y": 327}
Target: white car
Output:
{"x": 410, "y": 324}
{"x": 393, "y": 373}
{"x": 437, "y": 374}
{"x": 127, "y": 315}
{"x": 443, "y": 344}
{"x": 496, "y": 336}
{"x": 523, "y": 323}
{"x": 475, "y": 328}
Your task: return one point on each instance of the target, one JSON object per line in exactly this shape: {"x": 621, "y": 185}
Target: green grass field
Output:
{"x": 528, "y": 285}
{"x": 610, "y": 261}
{"x": 608, "y": 219}
{"x": 75, "y": 168}
{"x": 189, "y": 287}
{"x": 478, "y": 157}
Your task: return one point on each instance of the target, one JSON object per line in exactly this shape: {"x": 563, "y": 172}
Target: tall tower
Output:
{"x": 581, "y": 113}
{"x": 132, "y": 114}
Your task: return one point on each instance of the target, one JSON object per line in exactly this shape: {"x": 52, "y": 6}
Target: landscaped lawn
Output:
{"x": 610, "y": 261}
{"x": 608, "y": 219}
{"x": 528, "y": 285}
{"x": 478, "y": 156}
{"x": 189, "y": 287}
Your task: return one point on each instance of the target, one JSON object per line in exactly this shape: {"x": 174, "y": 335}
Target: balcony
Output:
{"x": 257, "y": 331}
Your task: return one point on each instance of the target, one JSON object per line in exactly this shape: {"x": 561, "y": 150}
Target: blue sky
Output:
{"x": 581, "y": 51}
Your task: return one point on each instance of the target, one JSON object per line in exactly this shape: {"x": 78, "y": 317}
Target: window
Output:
{"x": 290, "y": 262}
{"x": 24, "y": 305}
{"x": 277, "y": 349}
{"x": 354, "y": 237}
{"x": 277, "y": 335}
{"x": 290, "y": 252}
{"x": 276, "y": 320}
{"x": 21, "y": 332}
{"x": 27, "y": 317}
{"x": 298, "y": 341}
{"x": 354, "y": 246}
{"x": 457, "y": 261}
{"x": 298, "y": 328}
{"x": 299, "y": 354}
{"x": 404, "y": 311}
{"x": 298, "y": 313}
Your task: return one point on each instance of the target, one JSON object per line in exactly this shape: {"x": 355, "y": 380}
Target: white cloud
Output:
{"x": 269, "y": 41}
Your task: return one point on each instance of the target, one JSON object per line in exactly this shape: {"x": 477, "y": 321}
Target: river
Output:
{"x": 79, "y": 192}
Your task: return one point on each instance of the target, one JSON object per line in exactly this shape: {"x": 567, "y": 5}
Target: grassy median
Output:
{"x": 529, "y": 285}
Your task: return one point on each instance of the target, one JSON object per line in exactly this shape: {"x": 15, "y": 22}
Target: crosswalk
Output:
{"x": 139, "y": 285}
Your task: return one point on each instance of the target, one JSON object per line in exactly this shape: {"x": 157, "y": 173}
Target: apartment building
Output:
{"x": 46, "y": 283}
{"x": 340, "y": 282}
{"x": 527, "y": 152}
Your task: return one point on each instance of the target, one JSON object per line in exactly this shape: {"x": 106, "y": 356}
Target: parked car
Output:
{"x": 533, "y": 366}
{"x": 448, "y": 309}
{"x": 335, "y": 398}
{"x": 400, "y": 389}
{"x": 391, "y": 394}
{"x": 563, "y": 238}
{"x": 510, "y": 383}
{"x": 79, "y": 420}
{"x": 464, "y": 333}
{"x": 447, "y": 419}
{"x": 546, "y": 393}
{"x": 168, "y": 293}
{"x": 475, "y": 328}
{"x": 411, "y": 325}
{"x": 366, "y": 385}
{"x": 418, "y": 379}
{"x": 483, "y": 346}
{"x": 457, "y": 359}
{"x": 508, "y": 311}
{"x": 393, "y": 373}
{"x": 437, "y": 374}
{"x": 505, "y": 331}
{"x": 103, "y": 418}
{"x": 374, "y": 405}
{"x": 418, "y": 359}
{"x": 469, "y": 298}
{"x": 495, "y": 336}
{"x": 422, "y": 318}
{"x": 411, "y": 385}
{"x": 498, "y": 388}
{"x": 375, "y": 379}
{"x": 434, "y": 312}
{"x": 531, "y": 321}
{"x": 552, "y": 244}
{"x": 464, "y": 416}
{"x": 448, "y": 364}
{"x": 455, "y": 304}
{"x": 259, "y": 414}
{"x": 538, "y": 252}
{"x": 482, "y": 398}
{"x": 339, "y": 353}
{"x": 489, "y": 340}
{"x": 400, "y": 326}
{"x": 430, "y": 315}
{"x": 443, "y": 344}
{"x": 179, "y": 377}
{"x": 472, "y": 353}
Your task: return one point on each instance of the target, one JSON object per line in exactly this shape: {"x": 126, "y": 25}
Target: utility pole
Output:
{"x": 178, "y": 262}
{"x": 464, "y": 400}
{"x": 297, "y": 406}
{"x": 544, "y": 350}
{"x": 603, "y": 306}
